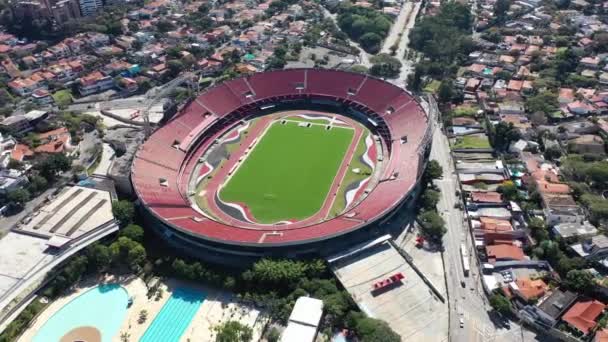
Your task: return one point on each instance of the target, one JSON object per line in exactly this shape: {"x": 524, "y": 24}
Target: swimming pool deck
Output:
{"x": 217, "y": 308}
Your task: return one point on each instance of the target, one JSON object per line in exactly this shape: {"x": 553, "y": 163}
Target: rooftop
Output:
{"x": 505, "y": 252}
{"x": 555, "y": 304}
{"x": 75, "y": 212}
{"x": 582, "y": 314}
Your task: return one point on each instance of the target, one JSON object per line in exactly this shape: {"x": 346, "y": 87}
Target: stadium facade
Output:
{"x": 166, "y": 163}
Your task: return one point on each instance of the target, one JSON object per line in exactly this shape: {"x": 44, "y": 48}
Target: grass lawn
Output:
{"x": 289, "y": 172}
{"x": 432, "y": 87}
{"x": 470, "y": 141}
{"x": 469, "y": 111}
{"x": 62, "y": 97}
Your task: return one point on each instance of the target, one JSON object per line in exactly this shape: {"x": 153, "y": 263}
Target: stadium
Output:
{"x": 292, "y": 163}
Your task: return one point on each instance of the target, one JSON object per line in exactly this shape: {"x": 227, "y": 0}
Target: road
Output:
{"x": 400, "y": 33}
{"x": 467, "y": 302}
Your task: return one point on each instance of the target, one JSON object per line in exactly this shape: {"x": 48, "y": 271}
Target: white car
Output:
{"x": 461, "y": 322}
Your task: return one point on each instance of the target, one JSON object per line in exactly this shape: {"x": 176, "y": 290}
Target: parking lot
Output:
{"x": 409, "y": 306}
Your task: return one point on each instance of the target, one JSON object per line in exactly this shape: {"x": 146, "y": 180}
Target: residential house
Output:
{"x": 504, "y": 253}
{"x": 583, "y": 315}
{"x": 565, "y": 96}
{"x": 23, "y": 86}
{"x": 587, "y": 144}
{"x": 21, "y": 152}
{"x": 527, "y": 289}
{"x": 590, "y": 62}
{"x": 595, "y": 247}
{"x": 574, "y": 230}
{"x": 580, "y": 108}
{"x": 511, "y": 108}
{"x": 551, "y": 308}
{"x": 94, "y": 82}
{"x": 42, "y": 97}
{"x": 17, "y": 124}
{"x": 11, "y": 180}
{"x": 127, "y": 84}
{"x": 55, "y": 141}
{"x": 489, "y": 197}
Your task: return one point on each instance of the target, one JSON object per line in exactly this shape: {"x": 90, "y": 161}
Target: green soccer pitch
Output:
{"x": 289, "y": 172}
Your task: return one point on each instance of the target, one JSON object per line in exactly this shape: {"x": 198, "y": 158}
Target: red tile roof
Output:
{"x": 497, "y": 225}
{"x": 529, "y": 289}
{"x": 583, "y": 314}
{"x": 486, "y": 197}
{"x": 21, "y": 151}
{"x": 601, "y": 336}
{"x": 505, "y": 252}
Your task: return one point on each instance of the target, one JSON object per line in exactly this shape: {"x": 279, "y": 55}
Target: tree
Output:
{"x": 143, "y": 316}
{"x": 501, "y": 7}
{"x": 52, "y": 165}
{"x": 538, "y": 229}
{"x": 375, "y": 330}
{"x": 444, "y": 38}
{"x": 566, "y": 264}
{"x": 429, "y": 199}
{"x": 233, "y": 331}
{"x": 446, "y": 91}
{"x": 433, "y": 171}
{"x": 371, "y": 42}
{"x": 18, "y": 196}
{"x": 38, "y": 184}
{"x": 364, "y": 25}
{"x": 133, "y": 26}
{"x": 127, "y": 251}
{"x": 598, "y": 174}
{"x": 136, "y": 256}
{"x": 273, "y": 335}
{"x": 432, "y": 225}
{"x": 504, "y": 134}
{"x": 133, "y": 232}
{"x": 552, "y": 152}
{"x": 277, "y": 60}
{"x": 164, "y": 25}
{"x": 500, "y": 303}
{"x": 100, "y": 256}
{"x": 123, "y": 211}
{"x": 175, "y": 67}
{"x": 359, "y": 68}
{"x": 14, "y": 164}
{"x": 385, "y": 66}
{"x": 276, "y": 273}
{"x": 509, "y": 191}
{"x": 579, "y": 280}
{"x": 545, "y": 102}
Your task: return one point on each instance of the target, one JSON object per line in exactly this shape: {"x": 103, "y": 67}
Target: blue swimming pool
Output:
{"x": 103, "y": 307}
{"x": 175, "y": 316}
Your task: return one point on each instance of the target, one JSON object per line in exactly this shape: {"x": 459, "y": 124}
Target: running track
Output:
{"x": 220, "y": 177}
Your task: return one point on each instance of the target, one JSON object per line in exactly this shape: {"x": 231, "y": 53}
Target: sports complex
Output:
{"x": 293, "y": 163}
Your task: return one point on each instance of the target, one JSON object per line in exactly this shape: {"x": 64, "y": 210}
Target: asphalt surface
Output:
{"x": 468, "y": 303}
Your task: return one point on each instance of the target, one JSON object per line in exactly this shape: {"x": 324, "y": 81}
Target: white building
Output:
{"x": 90, "y": 7}
{"x": 304, "y": 320}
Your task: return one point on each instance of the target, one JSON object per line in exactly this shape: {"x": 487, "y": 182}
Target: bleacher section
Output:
{"x": 164, "y": 164}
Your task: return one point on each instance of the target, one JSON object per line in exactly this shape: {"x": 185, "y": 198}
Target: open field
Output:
{"x": 289, "y": 172}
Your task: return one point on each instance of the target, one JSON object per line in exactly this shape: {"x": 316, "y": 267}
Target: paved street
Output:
{"x": 467, "y": 302}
